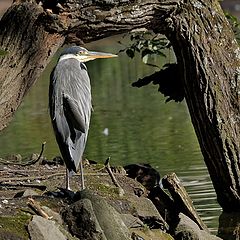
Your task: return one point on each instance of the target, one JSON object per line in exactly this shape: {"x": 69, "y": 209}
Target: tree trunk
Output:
{"x": 31, "y": 33}
{"x": 209, "y": 58}
{"x": 29, "y": 49}
{"x": 204, "y": 44}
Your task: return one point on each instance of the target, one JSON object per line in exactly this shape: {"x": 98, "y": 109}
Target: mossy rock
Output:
{"x": 147, "y": 234}
{"x": 14, "y": 227}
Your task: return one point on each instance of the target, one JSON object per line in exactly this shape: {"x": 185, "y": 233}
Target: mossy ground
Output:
{"x": 15, "y": 226}
{"x": 15, "y": 212}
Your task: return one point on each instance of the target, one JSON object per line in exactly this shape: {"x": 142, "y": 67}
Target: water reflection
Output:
{"x": 141, "y": 127}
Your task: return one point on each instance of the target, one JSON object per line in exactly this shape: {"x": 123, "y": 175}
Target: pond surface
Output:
{"x": 128, "y": 124}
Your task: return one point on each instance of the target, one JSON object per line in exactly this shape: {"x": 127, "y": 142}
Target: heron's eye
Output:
{"x": 81, "y": 52}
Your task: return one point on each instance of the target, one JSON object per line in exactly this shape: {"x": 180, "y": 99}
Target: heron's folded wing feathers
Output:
{"x": 73, "y": 114}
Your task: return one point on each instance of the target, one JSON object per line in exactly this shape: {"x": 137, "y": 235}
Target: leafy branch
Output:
{"x": 147, "y": 45}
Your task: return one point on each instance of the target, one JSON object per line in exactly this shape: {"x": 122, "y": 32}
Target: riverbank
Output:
{"x": 34, "y": 205}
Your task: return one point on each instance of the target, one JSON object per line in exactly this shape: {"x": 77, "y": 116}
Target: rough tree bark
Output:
{"x": 209, "y": 58}
{"x": 32, "y": 31}
{"x": 204, "y": 44}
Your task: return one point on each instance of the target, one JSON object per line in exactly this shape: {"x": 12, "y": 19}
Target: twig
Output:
{"x": 35, "y": 206}
{"x": 47, "y": 176}
{"x": 18, "y": 171}
{"x": 114, "y": 180}
{"x": 31, "y": 162}
{"x": 31, "y": 178}
{"x": 36, "y": 160}
{"x": 22, "y": 185}
{"x": 5, "y": 161}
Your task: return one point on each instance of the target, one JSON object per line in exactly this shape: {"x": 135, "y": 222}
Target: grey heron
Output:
{"x": 70, "y": 105}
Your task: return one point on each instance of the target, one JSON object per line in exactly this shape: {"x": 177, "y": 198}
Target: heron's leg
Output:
{"x": 82, "y": 177}
{"x": 67, "y": 180}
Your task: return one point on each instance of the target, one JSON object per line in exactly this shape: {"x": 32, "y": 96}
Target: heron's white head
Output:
{"x": 82, "y": 54}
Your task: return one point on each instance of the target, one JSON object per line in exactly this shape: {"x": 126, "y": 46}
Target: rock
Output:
{"x": 229, "y": 225}
{"x": 187, "y": 229}
{"x": 15, "y": 157}
{"x": 26, "y": 193}
{"x": 148, "y": 234}
{"x": 164, "y": 204}
{"x": 54, "y": 215}
{"x": 55, "y": 162}
{"x": 82, "y": 222}
{"x": 148, "y": 213}
{"x": 108, "y": 218}
{"x": 9, "y": 236}
{"x": 62, "y": 193}
{"x": 143, "y": 173}
{"x": 118, "y": 169}
{"x": 130, "y": 221}
{"x": 5, "y": 201}
{"x": 42, "y": 229}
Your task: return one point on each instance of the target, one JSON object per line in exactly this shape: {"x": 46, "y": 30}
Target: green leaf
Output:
{"x": 145, "y": 58}
{"x": 146, "y": 43}
{"x": 160, "y": 53}
{"x": 146, "y": 51}
{"x": 130, "y": 52}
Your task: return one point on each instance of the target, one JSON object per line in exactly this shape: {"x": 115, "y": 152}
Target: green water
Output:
{"x": 141, "y": 127}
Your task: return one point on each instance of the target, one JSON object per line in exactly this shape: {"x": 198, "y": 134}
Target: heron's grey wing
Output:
{"x": 70, "y": 109}
{"x": 73, "y": 114}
